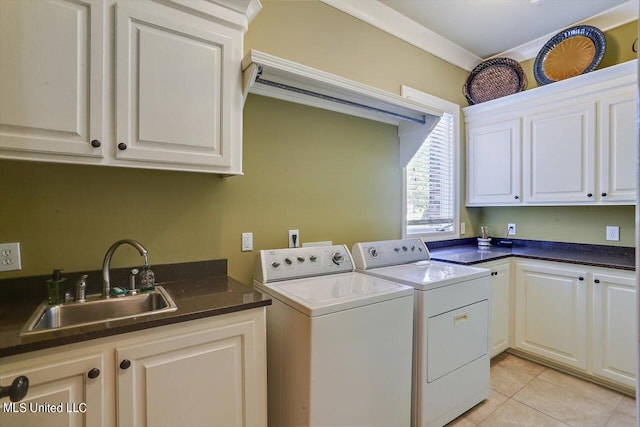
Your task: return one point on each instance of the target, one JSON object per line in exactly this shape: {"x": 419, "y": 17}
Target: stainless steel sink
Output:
{"x": 97, "y": 310}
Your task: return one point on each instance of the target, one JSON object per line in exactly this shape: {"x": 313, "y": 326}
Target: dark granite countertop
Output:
{"x": 466, "y": 252}
{"x": 199, "y": 289}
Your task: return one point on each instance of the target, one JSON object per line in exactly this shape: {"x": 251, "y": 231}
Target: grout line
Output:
{"x": 544, "y": 413}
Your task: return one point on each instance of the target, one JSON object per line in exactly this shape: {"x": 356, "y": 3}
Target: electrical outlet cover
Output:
{"x": 294, "y": 238}
{"x": 247, "y": 242}
{"x": 613, "y": 232}
{"x": 10, "y": 257}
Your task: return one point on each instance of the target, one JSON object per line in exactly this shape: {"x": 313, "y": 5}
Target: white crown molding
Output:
{"x": 612, "y": 18}
{"x": 386, "y": 19}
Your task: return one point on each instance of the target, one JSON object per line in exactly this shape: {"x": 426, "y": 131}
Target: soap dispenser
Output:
{"x": 56, "y": 288}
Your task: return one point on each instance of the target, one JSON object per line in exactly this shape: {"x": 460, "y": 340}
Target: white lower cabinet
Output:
{"x": 207, "y": 377}
{"x": 500, "y": 305}
{"x": 63, "y": 391}
{"x": 615, "y": 326}
{"x": 551, "y": 312}
{"x": 205, "y": 372}
{"x": 580, "y": 317}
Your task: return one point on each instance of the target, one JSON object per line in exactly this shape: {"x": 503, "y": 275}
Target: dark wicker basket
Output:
{"x": 493, "y": 79}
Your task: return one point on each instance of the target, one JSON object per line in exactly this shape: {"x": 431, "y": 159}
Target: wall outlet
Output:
{"x": 613, "y": 232}
{"x": 247, "y": 242}
{"x": 294, "y": 239}
{"x": 10, "y": 257}
{"x": 463, "y": 228}
{"x": 511, "y": 229}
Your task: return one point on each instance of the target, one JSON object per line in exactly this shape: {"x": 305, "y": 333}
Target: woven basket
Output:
{"x": 493, "y": 79}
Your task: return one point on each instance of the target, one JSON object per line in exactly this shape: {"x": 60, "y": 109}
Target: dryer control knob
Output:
{"x": 275, "y": 264}
{"x": 312, "y": 258}
{"x": 288, "y": 261}
{"x": 337, "y": 258}
{"x": 300, "y": 259}
{"x": 373, "y": 252}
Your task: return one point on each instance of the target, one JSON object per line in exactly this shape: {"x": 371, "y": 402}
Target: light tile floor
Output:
{"x": 524, "y": 393}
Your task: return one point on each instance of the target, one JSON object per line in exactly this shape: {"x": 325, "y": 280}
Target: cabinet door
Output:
{"x": 51, "y": 75}
{"x": 614, "y": 328}
{"x": 618, "y": 148}
{"x": 559, "y": 155}
{"x": 551, "y": 313}
{"x": 60, "y": 393}
{"x": 212, "y": 377}
{"x": 178, "y": 90}
{"x": 493, "y": 175}
{"x": 500, "y": 308}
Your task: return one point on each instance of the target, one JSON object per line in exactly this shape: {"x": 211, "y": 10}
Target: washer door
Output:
{"x": 456, "y": 338}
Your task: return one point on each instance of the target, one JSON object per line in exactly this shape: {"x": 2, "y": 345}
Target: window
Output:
{"x": 431, "y": 179}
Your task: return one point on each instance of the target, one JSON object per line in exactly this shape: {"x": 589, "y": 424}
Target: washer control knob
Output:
{"x": 404, "y": 248}
{"x": 300, "y": 259}
{"x": 337, "y": 258}
{"x": 275, "y": 264}
{"x": 396, "y": 249}
{"x": 420, "y": 248}
{"x": 312, "y": 258}
{"x": 373, "y": 252}
{"x": 288, "y": 261}
{"x": 413, "y": 248}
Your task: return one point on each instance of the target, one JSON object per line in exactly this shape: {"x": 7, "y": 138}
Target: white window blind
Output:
{"x": 430, "y": 182}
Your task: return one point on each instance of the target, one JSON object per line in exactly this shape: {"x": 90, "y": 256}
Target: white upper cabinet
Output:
{"x": 559, "y": 151}
{"x": 618, "y": 147}
{"x": 578, "y": 143}
{"x": 170, "y": 73}
{"x": 171, "y": 101}
{"x": 493, "y": 173}
{"x": 51, "y": 72}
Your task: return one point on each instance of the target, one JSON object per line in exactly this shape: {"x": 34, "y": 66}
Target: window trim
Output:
{"x": 453, "y": 109}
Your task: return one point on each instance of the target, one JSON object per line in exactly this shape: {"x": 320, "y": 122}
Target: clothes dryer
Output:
{"x": 451, "y": 326}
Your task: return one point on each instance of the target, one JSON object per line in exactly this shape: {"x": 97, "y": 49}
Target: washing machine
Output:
{"x": 339, "y": 342}
{"x": 451, "y": 326}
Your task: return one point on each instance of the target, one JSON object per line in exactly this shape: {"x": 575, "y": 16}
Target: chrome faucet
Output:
{"x": 106, "y": 265}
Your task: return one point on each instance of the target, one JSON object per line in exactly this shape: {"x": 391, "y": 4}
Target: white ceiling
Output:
{"x": 466, "y": 32}
{"x": 489, "y": 27}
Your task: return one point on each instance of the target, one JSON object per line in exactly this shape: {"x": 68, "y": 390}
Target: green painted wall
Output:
{"x": 585, "y": 224}
{"x": 333, "y": 177}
